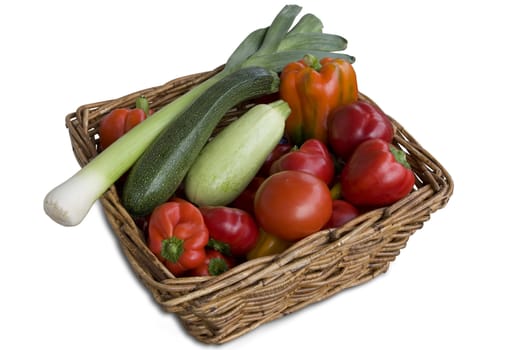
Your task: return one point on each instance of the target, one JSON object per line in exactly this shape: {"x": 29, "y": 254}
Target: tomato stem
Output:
{"x": 172, "y": 249}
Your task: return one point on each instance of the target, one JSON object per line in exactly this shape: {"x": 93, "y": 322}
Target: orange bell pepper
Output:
{"x": 313, "y": 88}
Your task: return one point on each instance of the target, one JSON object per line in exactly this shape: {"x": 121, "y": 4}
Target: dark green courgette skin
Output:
{"x": 160, "y": 170}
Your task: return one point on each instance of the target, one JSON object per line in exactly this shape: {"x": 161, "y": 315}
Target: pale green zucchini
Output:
{"x": 229, "y": 162}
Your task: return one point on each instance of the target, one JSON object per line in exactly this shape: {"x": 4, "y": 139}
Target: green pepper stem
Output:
{"x": 172, "y": 249}
{"x": 219, "y": 246}
{"x": 142, "y": 103}
{"x": 400, "y": 156}
{"x": 312, "y": 61}
{"x": 216, "y": 266}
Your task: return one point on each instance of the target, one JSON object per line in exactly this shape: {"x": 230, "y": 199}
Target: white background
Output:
{"x": 450, "y": 71}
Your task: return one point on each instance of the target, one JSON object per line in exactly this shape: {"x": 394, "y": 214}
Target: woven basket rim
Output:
{"x": 367, "y": 244}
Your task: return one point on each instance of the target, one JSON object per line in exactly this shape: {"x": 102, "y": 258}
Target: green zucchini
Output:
{"x": 229, "y": 161}
{"x": 160, "y": 170}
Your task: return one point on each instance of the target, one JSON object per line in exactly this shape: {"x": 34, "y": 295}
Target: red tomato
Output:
{"x": 245, "y": 200}
{"x": 342, "y": 212}
{"x": 293, "y": 204}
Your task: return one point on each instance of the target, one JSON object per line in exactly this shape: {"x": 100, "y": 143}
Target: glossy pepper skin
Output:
{"x": 178, "y": 236}
{"x": 267, "y": 244}
{"x": 232, "y": 227}
{"x": 312, "y": 157}
{"x": 245, "y": 200}
{"x": 313, "y": 88}
{"x": 376, "y": 175}
{"x": 350, "y": 125}
{"x": 214, "y": 264}
{"x": 342, "y": 212}
{"x": 119, "y": 121}
{"x": 281, "y": 149}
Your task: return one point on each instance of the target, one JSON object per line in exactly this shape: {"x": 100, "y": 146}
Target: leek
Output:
{"x": 271, "y": 47}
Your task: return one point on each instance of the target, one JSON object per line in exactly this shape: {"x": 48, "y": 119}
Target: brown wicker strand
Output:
{"x": 219, "y": 309}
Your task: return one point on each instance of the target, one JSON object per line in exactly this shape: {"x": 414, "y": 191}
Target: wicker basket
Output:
{"x": 219, "y": 309}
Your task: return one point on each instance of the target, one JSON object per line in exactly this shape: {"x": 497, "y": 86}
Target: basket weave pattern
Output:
{"x": 219, "y": 309}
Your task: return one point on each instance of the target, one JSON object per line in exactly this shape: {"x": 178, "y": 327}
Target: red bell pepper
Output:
{"x": 245, "y": 200}
{"x": 313, "y": 88}
{"x": 119, "y": 121}
{"x": 214, "y": 264}
{"x": 279, "y": 150}
{"x": 232, "y": 227}
{"x": 351, "y": 124}
{"x": 342, "y": 212}
{"x": 376, "y": 175}
{"x": 177, "y": 235}
{"x": 312, "y": 157}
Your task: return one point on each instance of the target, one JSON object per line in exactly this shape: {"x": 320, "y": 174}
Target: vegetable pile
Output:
{"x": 308, "y": 155}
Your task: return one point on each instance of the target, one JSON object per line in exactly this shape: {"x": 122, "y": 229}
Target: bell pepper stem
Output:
{"x": 217, "y": 266}
{"x": 142, "y": 103}
{"x": 172, "y": 249}
{"x": 312, "y": 62}
{"x": 219, "y": 246}
{"x": 400, "y": 156}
